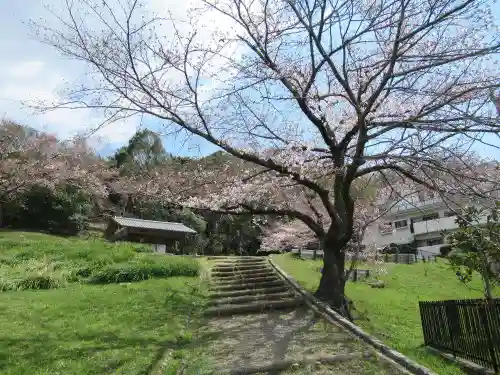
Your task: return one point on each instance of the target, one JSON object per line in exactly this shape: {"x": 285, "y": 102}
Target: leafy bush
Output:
{"x": 64, "y": 211}
{"x": 444, "y": 250}
{"x": 145, "y": 269}
{"x": 394, "y": 248}
{"x": 38, "y": 282}
{"x": 30, "y": 282}
{"x": 6, "y": 285}
{"x": 144, "y": 249}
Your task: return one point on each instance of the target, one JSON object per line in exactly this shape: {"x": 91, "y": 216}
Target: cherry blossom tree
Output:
{"x": 29, "y": 158}
{"x": 293, "y": 235}
{"x": 307, "y": 97}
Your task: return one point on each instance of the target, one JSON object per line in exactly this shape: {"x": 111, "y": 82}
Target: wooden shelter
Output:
{"x": 147, "y": 231}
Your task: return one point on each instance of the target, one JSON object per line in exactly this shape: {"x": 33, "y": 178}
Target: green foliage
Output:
{"x": 162, "y": 266}
{"x": 144, "y": 151}
{"x": 30, "y": 282}
{"x": 444, "y": 250}
{"x": 393, "y": 248}
{"x": 64, "y": 211}
{"x": 475, "y": 247}
{"x": 38, "y": 282}
{"x": 228, "y": 234}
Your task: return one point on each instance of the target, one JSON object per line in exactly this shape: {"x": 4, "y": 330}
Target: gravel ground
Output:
{"x": 262, "y": 339}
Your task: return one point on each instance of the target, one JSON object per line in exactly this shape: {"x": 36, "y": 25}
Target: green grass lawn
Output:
{"x": 392, "y": 314}
{"x": 39, "y": 261}
{"x": 79, "y": 328}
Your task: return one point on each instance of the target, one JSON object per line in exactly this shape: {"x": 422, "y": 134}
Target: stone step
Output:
{"x": 239, "y": 268}
{"x": 287, "y": 364}
{"x": 242, "y": 260}
{"x": 226, "y": 273}
{"x": 247, "y": 280}
{"x": 231, "y": 257}
{"x": 239, "y": 276}
{"x": 251, "y": 298}
{"x": 254, "y": 307}
{"x": 248, "y": 292}
{"x": 242, "y": 286}
{"x": 240, "y": 264}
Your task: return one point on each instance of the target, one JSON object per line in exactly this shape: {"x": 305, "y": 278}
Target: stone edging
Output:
{"x": 327, "y": 312}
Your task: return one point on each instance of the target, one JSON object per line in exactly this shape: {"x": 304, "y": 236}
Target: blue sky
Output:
{"x": 30, "y": 70}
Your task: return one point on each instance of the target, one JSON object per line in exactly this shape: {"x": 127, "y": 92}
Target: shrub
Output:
{"x": 444, "y": 250}
{"x": 143, "y": 249}
{"x": 84, "y": 272}
{"x": 37, "y": 282}
{"x": 118, "y": 274}
{"x": 145, "y": 268}
{"x": 6, "y": 285}
{"x": 63, "y": 211}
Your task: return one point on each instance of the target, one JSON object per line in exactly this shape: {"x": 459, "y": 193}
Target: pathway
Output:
{"x": 261, "y": 326}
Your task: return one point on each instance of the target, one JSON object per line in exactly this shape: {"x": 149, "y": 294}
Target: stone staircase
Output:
{"x": 244, "y": 285}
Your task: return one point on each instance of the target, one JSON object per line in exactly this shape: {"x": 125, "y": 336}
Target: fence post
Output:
{"x": 486, "y": 324}
{"x": 448, "y": 306}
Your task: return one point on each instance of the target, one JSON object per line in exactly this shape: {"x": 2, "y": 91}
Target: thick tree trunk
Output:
{"x": 332, "y": 284}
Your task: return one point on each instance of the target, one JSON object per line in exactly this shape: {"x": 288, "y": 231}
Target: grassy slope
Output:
{"x": 392, "y": 313}
{"x": 91, "y": 329}
{"x": 38, "y": 261}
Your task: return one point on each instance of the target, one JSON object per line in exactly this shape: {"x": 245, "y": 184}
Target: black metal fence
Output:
{"x": 466, "y": 328}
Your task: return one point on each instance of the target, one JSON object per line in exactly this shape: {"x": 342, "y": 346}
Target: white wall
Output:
{"x": 429, "y": 250}
{"x": 159, "y": 248}
{"x": 373, "y": 236}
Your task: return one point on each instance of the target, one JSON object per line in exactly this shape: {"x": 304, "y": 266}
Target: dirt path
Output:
{"x": 245, "y": 341}
{"x": 295, "y": 340}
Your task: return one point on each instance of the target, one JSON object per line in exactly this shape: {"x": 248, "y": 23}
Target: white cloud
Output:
{"x": 18, "y": 96}
{"x": 25, "y": 70}
{"x": 30, "y": 71}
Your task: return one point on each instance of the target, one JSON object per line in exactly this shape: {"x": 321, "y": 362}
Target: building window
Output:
{"x": 430, "y": 242}
{"x": 435, "y": 241}
{"x": 400, "y": 224}
{"x": 430, "y": 217}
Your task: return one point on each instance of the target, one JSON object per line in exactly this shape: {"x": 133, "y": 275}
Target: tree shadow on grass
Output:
{"x": 44, "y": 341}
{"x": 43, "y": 352}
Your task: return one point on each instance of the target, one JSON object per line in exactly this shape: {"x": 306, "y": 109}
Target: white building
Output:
{"x": 422, "y": 219}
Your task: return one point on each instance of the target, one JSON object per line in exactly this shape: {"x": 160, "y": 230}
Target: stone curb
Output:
{"x": 327, "y": 312}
